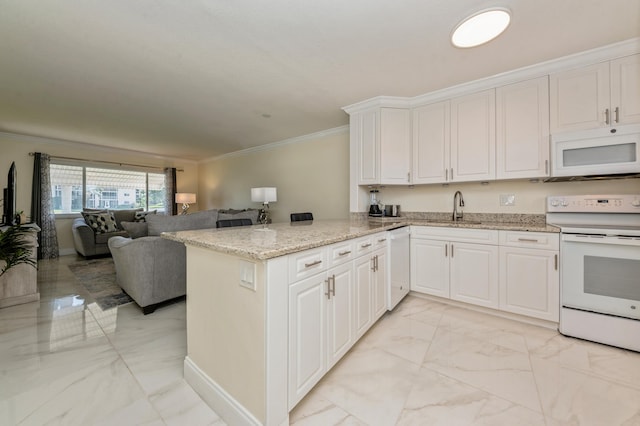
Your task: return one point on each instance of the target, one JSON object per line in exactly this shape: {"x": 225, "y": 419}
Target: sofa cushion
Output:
{"x": 141, "y": 216}
{"x": 104, "y": 237}
{"x": 246, "y": 214}
{"x": 124, "y": 215}
{"x": 101, "y": 222}
{"x": 157, "y": 224}
{"x": 136, "y": 229}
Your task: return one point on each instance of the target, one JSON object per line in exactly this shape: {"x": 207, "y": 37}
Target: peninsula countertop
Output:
{"x": 278, "y": 239}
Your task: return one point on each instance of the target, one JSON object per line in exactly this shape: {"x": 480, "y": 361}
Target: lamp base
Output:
{"x": 185, "y": 208}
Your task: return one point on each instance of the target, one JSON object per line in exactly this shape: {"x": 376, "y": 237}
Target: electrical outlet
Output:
{"x": 507, "y": 199}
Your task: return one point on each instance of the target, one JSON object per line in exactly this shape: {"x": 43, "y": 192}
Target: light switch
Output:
{"x": 248, "y": 274}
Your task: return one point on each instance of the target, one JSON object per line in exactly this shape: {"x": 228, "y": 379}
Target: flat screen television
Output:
{"x": 9, "y": 214}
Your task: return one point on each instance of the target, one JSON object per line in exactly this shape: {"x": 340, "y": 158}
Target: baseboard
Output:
{"x": 230, "y": 410}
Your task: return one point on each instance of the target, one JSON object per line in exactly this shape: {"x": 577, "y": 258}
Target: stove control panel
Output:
{"x": 627, "y": 203}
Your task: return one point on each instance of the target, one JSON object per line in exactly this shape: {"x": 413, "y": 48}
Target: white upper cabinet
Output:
{"x": 601, "y": 95}
{"x": 383, "y": 137}
{"x": 522, "y": 129}
{"x": 625, "y": 90}
{"x": 395, "y": 146}
{"x": 473, "y": 137}
{"x": 364, "y": 129}
{"x": 431, "y": 139}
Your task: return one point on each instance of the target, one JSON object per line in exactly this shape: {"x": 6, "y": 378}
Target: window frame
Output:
{"x": 105, "y": 166}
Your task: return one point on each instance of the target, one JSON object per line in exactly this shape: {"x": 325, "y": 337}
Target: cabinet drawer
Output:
{"x": 307, "y": 263}
{"x": 363, "y": 245}
{"x": 340, "y": 252}
{"x": 380, "y": 240}
{"x": 465, "y": 235}
{"x": 538, "y": 240}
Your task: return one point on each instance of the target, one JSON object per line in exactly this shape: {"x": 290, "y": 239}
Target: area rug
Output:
{"x": 98, "y": 276}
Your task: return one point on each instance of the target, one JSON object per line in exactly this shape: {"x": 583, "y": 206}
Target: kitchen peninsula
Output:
{"x": 271, "y": 309}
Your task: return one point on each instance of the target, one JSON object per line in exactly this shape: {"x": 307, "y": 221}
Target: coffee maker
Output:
{"x": 374, "y": 205}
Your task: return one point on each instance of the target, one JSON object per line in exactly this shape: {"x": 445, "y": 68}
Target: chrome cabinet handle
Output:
{"x": 606, "y": 116}
{"x": 446, "y": 174}
{"x": 555, "y": 261}
{"x": 408, "y": 176}
{"x": 528, "y": 240}
{"x": 546, "y": 167}
{"x": 452, "y": 251}
{"x": 617, "y": 111}
{"x": 309, "y": 265}
{"x": 344, "y": 253}
{"x": 446, "y": 247}
{"x": 373, "y": 264}
{"x": 365, "y": 245}
{"x": 333, "y": 285}
{"x": 328, "y": 293}
{"x": 382, "y": 240}
{"x": 452, "y": 173}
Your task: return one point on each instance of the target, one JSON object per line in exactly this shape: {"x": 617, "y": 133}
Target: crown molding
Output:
{"x": 576, "y": 60}
{"x": 298, "y": 139}
{"x": 63, "y": 142}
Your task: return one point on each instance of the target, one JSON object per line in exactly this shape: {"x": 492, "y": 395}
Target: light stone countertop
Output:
{"x": 278, "y": 239}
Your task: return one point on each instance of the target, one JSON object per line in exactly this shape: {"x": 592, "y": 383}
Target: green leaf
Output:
{"x": 15, "y": 248}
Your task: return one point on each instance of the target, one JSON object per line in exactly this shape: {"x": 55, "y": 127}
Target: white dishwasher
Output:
{"x": 399, "y": 266}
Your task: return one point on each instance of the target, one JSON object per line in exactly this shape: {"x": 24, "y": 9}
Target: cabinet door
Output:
{"x": 579, "y": 98}
{"x": 307, "y": 307}
{"x": 395, "y": 146}
{"x": 363, "y": 294}
{"x": 625, "y": 90}
{"x": 366, "y": 135}
{"x": 340, "y": 318}
{"x": 473, "y": 137}
{"x": 430, "y": 267}
{"x": 474, "y": 274}
{"x": 529, "y": 282}
{"x": 431, "y": 138}
{"x": 380, "y": 283}
{"x": 522, "y": 129}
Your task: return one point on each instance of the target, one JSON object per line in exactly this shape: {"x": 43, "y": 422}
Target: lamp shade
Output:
{"x": 185, "y": 198}
{"x": 263, "y": 195}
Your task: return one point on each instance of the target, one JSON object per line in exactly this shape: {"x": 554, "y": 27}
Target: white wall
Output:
{"x": 529, "y": 197}
{"x": 17, "y": 148}
{"x": 310, "y": 174}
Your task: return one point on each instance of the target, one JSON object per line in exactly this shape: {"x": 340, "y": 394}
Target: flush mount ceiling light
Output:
{"x": 480, "y": 28}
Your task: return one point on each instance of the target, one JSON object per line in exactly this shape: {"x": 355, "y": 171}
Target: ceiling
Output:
{"x": 194, "y": 79}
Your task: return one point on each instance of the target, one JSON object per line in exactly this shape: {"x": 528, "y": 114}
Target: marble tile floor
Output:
{"x": 64, "y": 361}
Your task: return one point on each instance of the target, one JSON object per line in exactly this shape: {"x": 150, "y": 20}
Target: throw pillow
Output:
{"x": 124, "y": 215}
{"x": 142, "y": 216}
{"x": 101, "y": 223}
{"x": 135, "y": 229}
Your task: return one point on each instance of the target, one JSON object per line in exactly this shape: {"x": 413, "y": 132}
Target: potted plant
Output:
{"x": 14, "y": 248}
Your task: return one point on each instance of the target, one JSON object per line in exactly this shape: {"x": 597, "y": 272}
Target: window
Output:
{"x": 75, "y": 187}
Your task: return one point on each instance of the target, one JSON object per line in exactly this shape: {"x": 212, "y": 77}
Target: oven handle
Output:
{"x": 601, "y": 239}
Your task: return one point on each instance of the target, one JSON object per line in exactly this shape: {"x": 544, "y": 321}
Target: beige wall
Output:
{"x": 311, "y": 174}
{"x": 16, "y": 148}
{"x": 529, "y": 197}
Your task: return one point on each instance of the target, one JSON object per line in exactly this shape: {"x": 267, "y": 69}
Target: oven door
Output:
{"x": 601, "y": 274}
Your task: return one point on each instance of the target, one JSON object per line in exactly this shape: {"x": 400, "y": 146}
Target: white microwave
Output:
{"x": 607, "y": 151}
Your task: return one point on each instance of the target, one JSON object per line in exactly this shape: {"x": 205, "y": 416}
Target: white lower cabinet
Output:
{"x": 445, "y": 264}
{"x": 474, "y": 274}
{"x": 511, "y": 271}
{"x": 430, "y": 266}
{"x": 331, "y": 310}
{"x": 529, "y": 277}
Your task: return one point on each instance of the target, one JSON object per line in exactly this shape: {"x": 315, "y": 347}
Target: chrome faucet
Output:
{"x": 457, "y": 215}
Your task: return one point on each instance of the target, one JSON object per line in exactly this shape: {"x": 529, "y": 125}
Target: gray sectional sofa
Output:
{"x": 152, "y": 269}
{"x": 90, "y": 242}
